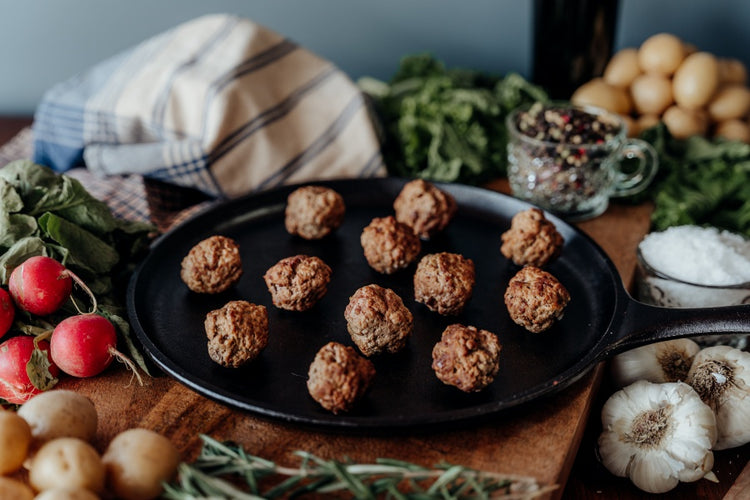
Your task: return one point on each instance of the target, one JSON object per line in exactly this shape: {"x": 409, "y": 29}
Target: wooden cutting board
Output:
{"x": 538, "y": 439}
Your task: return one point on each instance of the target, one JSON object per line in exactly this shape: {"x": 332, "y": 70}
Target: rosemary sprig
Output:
{"x": 225, "y": 470}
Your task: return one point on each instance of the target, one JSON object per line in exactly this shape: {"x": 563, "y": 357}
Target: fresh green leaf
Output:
{"x": 86, "y": 250}
{"x": 19, "y": 252}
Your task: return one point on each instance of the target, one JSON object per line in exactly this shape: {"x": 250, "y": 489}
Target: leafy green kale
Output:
{"x": 446, "y": 124}
{"x": 700, "y": 181}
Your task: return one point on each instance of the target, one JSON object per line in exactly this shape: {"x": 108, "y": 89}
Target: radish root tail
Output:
{"x": 122, "y": 358}
{"x": 78, "y": 281}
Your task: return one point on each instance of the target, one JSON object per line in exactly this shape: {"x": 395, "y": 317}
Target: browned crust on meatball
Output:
{"x": 297, "y": 283}
{"x": 424, "y": 207}
{"x": 212, "y": 266}
{"x": 444, "y": 282}
{"x": 535, "y": 299}
{"x": 237, "y": 333}
{"x": 466, "y": 357}
{"x": 377, "y": 320}
{"x": 389, "y": 245}
{"x": 313, "y": 212}
{"x": 338, "y": 377}
{"x": 532, "y": 239}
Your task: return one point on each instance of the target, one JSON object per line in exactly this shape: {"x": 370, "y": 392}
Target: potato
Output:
{"x": 652, "y": 94}
{"x": 696, "y": 80}
{"x": 599, "y": 93}
{"x": 646, "y": 121}
{"x": 732, "y": 71}
{"x": 15, "y": 440}
{"x": 661, "y": 53}
{"x": 66, "y": 494}
{"x": 630, "y": 125}
{"x": 137, "y": 462}
{"x": 67, "y": 463}
{"x": 622, "y": 68}
{"x": 60, "y": 413}
{"x": 734, "y": 130}
{"x": 730, "y": 102}
{"x": 683, "y": 123}
{"x": 11, "y": 488}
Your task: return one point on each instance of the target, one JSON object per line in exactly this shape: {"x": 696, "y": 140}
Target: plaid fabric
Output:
{"x": 218, "y": 105}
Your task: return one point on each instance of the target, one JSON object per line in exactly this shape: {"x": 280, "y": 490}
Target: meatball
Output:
{"x": 466, "y": 357}
{"x": 237, "y": 333}
{"x": 444, "y": 282}
{"x": 338, "y": 377}
{"x": 535, "y": 299}
{"x": 531, "y": 239}
{"x": 313, "y": 212}
{"x": 297, "y": 283}
{"x": 377, "y": 320}
{"x": 424, "y": 207}
{"x": 212, "y": 266}
{"x": 389, "y": 245}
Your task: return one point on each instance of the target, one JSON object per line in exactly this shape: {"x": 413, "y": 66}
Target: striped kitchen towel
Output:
{"x": 219, "y": 104}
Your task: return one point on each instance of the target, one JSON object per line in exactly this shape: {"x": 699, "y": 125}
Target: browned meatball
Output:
{"x": 535, "y": 299}
{"x": 531, "y": 239}
{"x": 378, "y": 320}
{"x": 212, "y": 266}
{"x": 338, "y": 377}
{"x": 444, "y": 282}
{"x": 297, "y": 283}
{"x": 389, "y": 245}
{"x": 466, "y": 357}
{"x": 424, "y": 207}
{"x": 237, "y": 333}
{"x": 313, "y": 212}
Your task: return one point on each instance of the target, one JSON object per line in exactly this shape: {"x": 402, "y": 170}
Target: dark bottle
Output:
{"x": 573, "y": 41}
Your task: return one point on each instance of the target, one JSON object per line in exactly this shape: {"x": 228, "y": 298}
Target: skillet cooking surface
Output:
{"x": 168, "y": 318}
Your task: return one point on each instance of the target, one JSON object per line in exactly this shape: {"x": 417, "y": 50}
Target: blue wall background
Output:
{"x": 43, "y": 42}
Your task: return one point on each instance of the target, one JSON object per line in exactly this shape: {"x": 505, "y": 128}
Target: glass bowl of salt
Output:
{"x": 693, "y": 266}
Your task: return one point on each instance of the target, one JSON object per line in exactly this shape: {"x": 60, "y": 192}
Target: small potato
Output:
{"x": 13, "y": 489}
{"x": 646, "y": 121}
{"x": 683, "y": 123}
{"x": 661, "y": 53}
{"x": 66, "y": 494}
{"x": 652, "y": 94}
{"x": 138, "y": 461}
{"x": 60, "y": 413}
{"x": 67, "y": 463}
{"x": 732, "y": 71}
{"x": 599, "y": 93}
{"x": 15, "y": 439}
{"x": 630, "y": 125}
{"x": 696, "y": 80}
{"x": 734, "y": 130}
{"x": 623, "y": 68}
{"x": 730, "y": 102}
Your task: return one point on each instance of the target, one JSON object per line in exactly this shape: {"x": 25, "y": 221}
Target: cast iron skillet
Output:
{"x": 600, "y": 320}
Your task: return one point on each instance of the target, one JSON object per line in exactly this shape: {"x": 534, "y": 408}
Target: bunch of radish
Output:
{"x": 82, "y": 345}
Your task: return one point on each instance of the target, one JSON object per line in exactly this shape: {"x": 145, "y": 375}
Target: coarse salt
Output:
{"x": 700, "y": 255}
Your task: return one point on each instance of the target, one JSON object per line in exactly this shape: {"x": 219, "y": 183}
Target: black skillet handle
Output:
{"x": 637, "y": 324}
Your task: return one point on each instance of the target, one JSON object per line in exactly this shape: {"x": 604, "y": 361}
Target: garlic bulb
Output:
{"x": 721, "y": 377}
{"x": 667, "y": 361}
{"x": 657, "y": 435}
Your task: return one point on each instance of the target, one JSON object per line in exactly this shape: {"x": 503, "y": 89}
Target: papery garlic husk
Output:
{"x": 666, "y": 361}
{"x": 657, "y": 435}
{"x": 721, "y": 377}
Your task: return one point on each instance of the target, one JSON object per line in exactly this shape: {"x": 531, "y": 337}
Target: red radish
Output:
{"x": 7, "y": 312}
{"x": 83, "y": 345}
{"x": 40, "y": 285}
{"x": 15, "y": 353}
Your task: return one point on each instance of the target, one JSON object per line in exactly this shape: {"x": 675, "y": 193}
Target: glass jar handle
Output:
{"x": 627, "y": 183}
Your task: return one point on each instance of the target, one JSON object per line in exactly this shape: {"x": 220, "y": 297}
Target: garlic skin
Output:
{"x": 721, "y": 377}
{"x": 667, "y": 361}
{"x": 657, "y": 435}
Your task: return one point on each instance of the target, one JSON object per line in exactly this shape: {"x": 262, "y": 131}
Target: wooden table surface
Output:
{"x": 540, "y": 439}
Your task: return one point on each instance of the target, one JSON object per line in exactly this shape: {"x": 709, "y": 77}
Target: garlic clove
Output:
{"x": 721, "y": 376}
{"x": 657, "y": 435}
{"x": 666, "y": 361}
